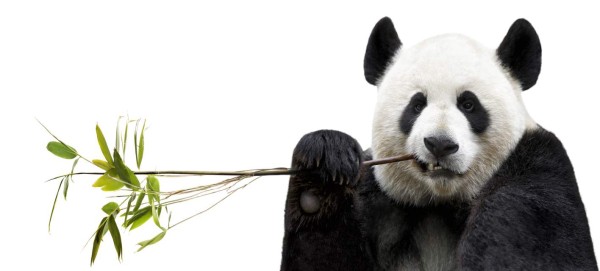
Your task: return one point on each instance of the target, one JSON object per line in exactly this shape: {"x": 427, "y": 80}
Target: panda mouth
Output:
{"x": 435, "y": 169}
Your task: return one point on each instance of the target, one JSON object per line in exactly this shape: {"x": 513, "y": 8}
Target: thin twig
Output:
{"x": 387, "y": 160}
{"x": 248, "y": 173}
{"x": 215, "y": 204}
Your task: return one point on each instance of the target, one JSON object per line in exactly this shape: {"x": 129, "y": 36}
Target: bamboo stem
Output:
{"x": 387, "y": 160}
{"x": 250, "y": 173}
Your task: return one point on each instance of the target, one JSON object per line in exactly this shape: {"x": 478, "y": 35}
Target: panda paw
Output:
{"x": 334, "y": 156}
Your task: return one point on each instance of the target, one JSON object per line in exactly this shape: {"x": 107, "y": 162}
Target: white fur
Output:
{"x": 436, "y": 244}
{"x": 442, "y": 68}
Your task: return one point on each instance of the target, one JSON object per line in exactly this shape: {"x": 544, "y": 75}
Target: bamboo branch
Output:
{"x": 249, "y": 173}
{"x": 387, "y": 160}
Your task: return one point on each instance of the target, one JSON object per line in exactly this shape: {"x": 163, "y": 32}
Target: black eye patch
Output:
{"x": 417, "y": 103}
{"x": 475, "y": 113}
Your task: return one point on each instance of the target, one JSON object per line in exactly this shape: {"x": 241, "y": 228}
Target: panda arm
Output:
{"x": 322, "y": 229}
{"x": 530, "y": 216}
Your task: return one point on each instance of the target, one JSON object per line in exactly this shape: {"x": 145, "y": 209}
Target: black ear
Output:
{"x": 521, "y": 53}
{"x": 383, "y": 44}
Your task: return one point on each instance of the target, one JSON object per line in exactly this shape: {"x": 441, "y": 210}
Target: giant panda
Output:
{"x": 488, "y": 189}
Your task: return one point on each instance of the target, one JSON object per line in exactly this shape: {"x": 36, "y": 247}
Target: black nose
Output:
{"x": 440, "y": 147}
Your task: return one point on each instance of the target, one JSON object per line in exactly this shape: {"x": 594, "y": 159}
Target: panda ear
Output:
{"x": 521, "y": 53}
{"x": 383, "y": 44}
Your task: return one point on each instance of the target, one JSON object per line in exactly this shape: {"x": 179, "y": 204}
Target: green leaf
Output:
{"x": 124, "y": 173}
{"x": 118, "y": 134}
{"x": 152, "y": 196}
{"x": 131, "y": 199}
{"x": 134, "y": 179}
{"x": 66, "y": 187}
{"x": 69, "y": 178}
{"x": 102, "y": 164}
{"x": 125, "y": 136}
{"x": 54, "y": 204}
{"x": 139, "y": 154}
{"x": 100, "y": 232}
{"x": 139, "y": 201}
{"x": 153, "y": 183}
{"x": 116, "y": 236}
{"x": 103, "y": 146}
{"x": 108, "y": 182}
{"x": 110, "y": 208}
{"x": 139, "y": 218}
{"x": 61, "y": 150}
{"x": 154, "y": 186}
{"x": 152, "y": 241}
{"x": 156, "y": 216}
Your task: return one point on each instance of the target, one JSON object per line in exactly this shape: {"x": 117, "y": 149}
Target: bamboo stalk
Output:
{"x": 387, "y": 160}
{"x": 250, "y": 173}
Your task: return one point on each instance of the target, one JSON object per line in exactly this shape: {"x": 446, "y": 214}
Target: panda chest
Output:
{"x": 436, "y": 243}
{"x": 415, "y": 239}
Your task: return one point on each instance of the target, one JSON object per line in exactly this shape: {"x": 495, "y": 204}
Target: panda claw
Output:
{"x": 334, "y": 155}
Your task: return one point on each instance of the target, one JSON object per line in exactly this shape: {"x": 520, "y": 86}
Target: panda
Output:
{"x": 488, "y": 188}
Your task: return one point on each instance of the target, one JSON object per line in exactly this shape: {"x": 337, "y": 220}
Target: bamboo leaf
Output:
{"x": 108, "y": 182}
{"x": 156, "y": 216}
{"x": 69, "y": 178}
{"x": 152, "y": 241}
{"x": 118, "y": 134}
{"x": 54, "y": 204}
{"x": 154, "y": 186}
{"x": 131, "y": 199}
{"x": 124, "y": 173}
{"x": 116, "y": 236}
{"x": 125, "y": 136}
{"x": 102, "y": 164}
{"x": 140, "y": 149}
{"x": 74, "y": 165}
{"x": 139, "y": 221}
{"x": 110, "y": 208}
{"x": 139, "y": 201}
{"x": 103, "y": 146}
{"x": 100, "y": 182}
{"x": 152, "y": 196}
{"x": 66, "y": 187}
{"x": 155, "y": 209}
{"x": 153, "y": 183}
{"x": 135, "y": 144}
{"x": 61, "y": 150}
{"x": 134, "y": 179}
{"x": 102, "y": 229}
{"x": 69, "y": 150}
{"x": 139, "y": 218}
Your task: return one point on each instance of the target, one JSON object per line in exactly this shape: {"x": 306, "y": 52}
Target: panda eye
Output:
{"x": 419, "y": 107}
{"x": 468, "y": 106}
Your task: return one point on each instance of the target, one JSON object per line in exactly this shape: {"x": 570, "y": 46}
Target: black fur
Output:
{"x": 412, "y": 111}
{"x": 383, "y": 44}
{"x": 529, "y": 216}
{"x": 476, "y": 114}
{"x": 521, "y": 53}
{"x": 325, "y": 240}
{"x": 334, "y": 156}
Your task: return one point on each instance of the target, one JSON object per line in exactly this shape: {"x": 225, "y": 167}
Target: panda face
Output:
{"x": 451, "y": 103}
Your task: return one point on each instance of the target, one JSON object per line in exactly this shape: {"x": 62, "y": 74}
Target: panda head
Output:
{"x": 452, "y": 103}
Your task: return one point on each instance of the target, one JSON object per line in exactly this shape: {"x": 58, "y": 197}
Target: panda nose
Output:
{"x": 440, "y": 147}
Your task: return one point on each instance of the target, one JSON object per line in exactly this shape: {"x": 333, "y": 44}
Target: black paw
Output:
{"x": 333, "y": 155}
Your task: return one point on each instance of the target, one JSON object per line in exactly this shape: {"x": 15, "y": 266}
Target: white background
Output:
{"x": 227, "y": 87}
